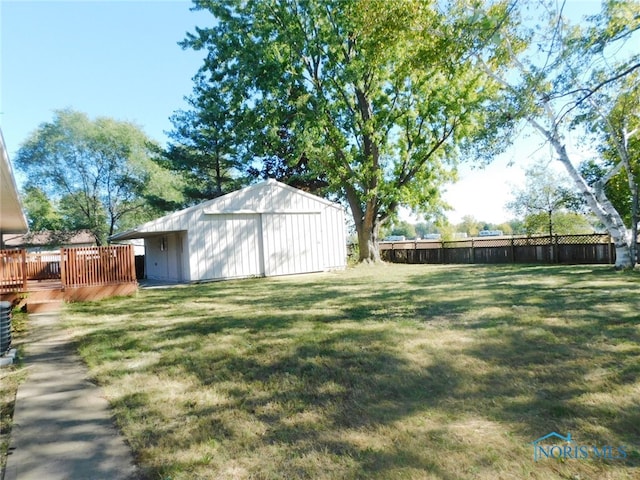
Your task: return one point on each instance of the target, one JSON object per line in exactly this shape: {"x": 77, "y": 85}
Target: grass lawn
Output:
{"x": 10, "y": 378}
{"x": 384, "y": 372}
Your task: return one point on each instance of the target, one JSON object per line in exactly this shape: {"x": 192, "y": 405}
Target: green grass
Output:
{"x": 383, "y": 372}
{"x": 10, "y": 378}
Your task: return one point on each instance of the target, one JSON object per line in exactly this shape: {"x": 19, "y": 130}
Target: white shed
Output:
{"x": 265, "y": 229}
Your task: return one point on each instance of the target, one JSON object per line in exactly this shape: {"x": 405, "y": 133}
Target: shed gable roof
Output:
{"x": 269, "y": 196}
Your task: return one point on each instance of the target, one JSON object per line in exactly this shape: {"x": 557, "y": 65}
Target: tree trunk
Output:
{"x": 633, "y": 187}
{"x": 368, "y": 242}
{"x": 623, "y": 256}
{"x": 634, "y": 232}
{"x": 605, "y": 211}
{"x": 367, "y": 226}
{"x": 597, "y": 200}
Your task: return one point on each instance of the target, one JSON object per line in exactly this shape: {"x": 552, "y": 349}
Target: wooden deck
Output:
{"x": 42, "y": 284}
{"x": 43, "y": 296}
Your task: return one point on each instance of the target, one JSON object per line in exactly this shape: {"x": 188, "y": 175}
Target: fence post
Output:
{"x": 63, "y": 267}
{"x": 513, "y": 250}
{"x": 473, "y": 252}
{"x": 132, "y": 264}
{"x": 444, "y": 251}
{"x": 612, "y": 250}
{"x": 24, "y": 269}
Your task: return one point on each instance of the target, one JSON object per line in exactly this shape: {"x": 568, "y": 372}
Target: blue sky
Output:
{"x": 120, "y": 59}
{"x": 106, "y": 58}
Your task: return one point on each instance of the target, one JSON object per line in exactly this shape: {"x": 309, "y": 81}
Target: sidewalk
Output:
{"x": 62, "y": 426}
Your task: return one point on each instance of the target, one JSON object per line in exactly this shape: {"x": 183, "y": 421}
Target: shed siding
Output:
{"x": 156, "y": 261}
{"x": 266, "y": 229}
{"x": 164, "y": 257}
{"x": 292, "y": 243}
{"x": 335, "y": 239}
{"x": 225, "y": 246}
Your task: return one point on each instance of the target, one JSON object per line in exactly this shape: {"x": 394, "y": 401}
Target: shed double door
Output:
{"x": 291, "y": 243}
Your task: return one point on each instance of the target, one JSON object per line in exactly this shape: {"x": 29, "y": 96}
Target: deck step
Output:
{"x": 44, "y": 306}
{"x": 49, "y": 295}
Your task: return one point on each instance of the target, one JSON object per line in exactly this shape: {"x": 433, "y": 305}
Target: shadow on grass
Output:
{"x": 341, "y": 381}
{"x": 309, "y": 361}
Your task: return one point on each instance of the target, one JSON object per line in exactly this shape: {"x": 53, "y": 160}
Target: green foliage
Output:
{"x": 405, "y": 229}
{"x": 97, "y": 171}
{"x": 425, "y": 228}
{"x": 372, "y": 101}
{"x": 41, "y": 214}
{"x": 506, "y": 227}
{"x": 470, "y": 226}
{"x": 616, "y": 189}
{"x": 564, "y": 223}
{"x": 203, "y": 150}
{"x": 516, "y": 226}
{"x": 544, "y": 196}
{"x": 447, "y": 231}
{"x": 623, "y": 120}
{"x": 617, "y": 22}
{"x": 82, "y": 212}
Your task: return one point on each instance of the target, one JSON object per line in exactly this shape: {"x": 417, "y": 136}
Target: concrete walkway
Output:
{"x": 62, "y": 426}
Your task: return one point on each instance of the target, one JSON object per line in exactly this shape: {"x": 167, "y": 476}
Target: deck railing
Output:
{"x": 75, "y": 267}
{"x": 13, "y": 271}
{"x": 92, "y": 266}
{"x": 43, "y": 266}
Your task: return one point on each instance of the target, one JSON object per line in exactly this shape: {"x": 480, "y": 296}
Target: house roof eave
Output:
{"x": 12, "y": 217}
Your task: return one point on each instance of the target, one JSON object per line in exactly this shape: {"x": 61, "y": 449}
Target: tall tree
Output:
{"x": 469, "y": 225}
{"x": 98, "y": 170}
{"x": 374, "y": 99}
{"x": 207, "y": 150}
{"x": 557, "y": 84}
{"x": 618, "y": 166}
{"x": 203, "y": 148}
{"x": 41, "y": 213}
{"x": 564, "y": 223}
{"x": 425, "y": 228}
{"x": 542, "y": 198}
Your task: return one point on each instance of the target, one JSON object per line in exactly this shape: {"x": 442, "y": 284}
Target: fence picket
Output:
{"x": 101, "y": 265}
{"x": 75, "y": 267}
{"x": 12, "y": 270}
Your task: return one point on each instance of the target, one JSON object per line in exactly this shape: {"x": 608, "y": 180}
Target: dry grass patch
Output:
{"x": 386, "y": 372}
{"x": 10, "y": 378}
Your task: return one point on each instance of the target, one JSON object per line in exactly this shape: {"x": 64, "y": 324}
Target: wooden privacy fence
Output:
{"x": 76, "y": 268}
{"x": 567, "y": 249}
